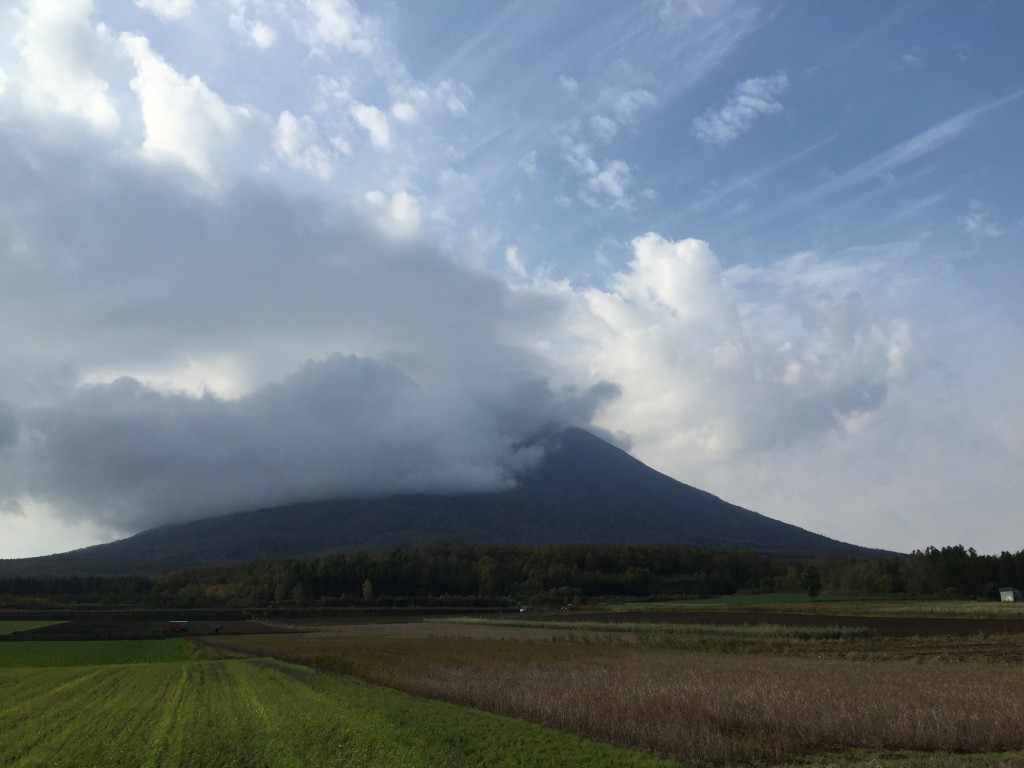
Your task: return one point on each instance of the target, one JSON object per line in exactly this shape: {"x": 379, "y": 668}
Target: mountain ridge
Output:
{"x": 584, "y": 491}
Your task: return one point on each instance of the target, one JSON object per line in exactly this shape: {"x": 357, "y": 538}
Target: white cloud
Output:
{"x": 606, "y": 183}
{"x": 710, "y": 373}
{"x": 262, "y": 34}
{"x": 404, "y": 112}
{"x": 612, "y": 180}
{"x": 405, "y": 212}
{"x": 335, "y": 24}
{"x": 331, "y": 92}
{"x": 375, "y": 122}
{"x": 412, "y": 101}
{"x": 750, "y": 100}
{"x": 184, "y": 119}
{"x": 577, "y": 154}
{"x": 258, "y": 31}
{"x": 297, "y": 141}
{"x": 454, "y": 96}
{"x": 793, "y": 388}
{"x": 341, "y": 144}
{"x": 603, "y": 128}
{"x": 569, "y": 85}
{"x": 628, "y": 103}
{"x": 515, "y": 263}
{"x": 528, "y": 162}
{"x": 807, "y": 271}
{"x": 167, "y": 9}
{"x": 399, "y": 216}
{"x": 217, "y": 375}
{"x": 912, "y": 59}
{"x": 61, "y": 48}
{"x": 976, "y": 223}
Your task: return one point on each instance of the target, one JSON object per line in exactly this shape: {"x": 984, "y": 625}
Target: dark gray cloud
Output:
{"x": 129, "y": 457}
{"x": 8, "y": 427}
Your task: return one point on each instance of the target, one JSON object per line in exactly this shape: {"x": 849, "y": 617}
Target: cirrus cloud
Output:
{"x": 750, "y": 100}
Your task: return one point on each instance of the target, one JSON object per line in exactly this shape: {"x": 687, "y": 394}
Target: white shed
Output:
{"x": 1010, "y": 595}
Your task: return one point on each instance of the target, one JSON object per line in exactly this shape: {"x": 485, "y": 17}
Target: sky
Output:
{"x": 255, "y": 252}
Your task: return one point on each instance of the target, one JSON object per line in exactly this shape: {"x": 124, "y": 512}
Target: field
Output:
{"x": 638, "y": 688}
{"x": 10, "y": 627}
{"x": 772, "y": 703}
{"x": 128, "y": 627}
{"x": 72, "y": 653}
{"x": 163, "y": 711}
{"x": 835, "y": 605}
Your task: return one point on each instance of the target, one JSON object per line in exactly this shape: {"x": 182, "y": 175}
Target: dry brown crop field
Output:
{"x": 778, "y": 700}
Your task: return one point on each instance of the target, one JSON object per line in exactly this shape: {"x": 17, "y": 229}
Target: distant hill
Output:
{"x": 586, "y": 491}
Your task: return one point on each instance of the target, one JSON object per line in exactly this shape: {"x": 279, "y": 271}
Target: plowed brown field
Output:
{"x": 883, "y": 625}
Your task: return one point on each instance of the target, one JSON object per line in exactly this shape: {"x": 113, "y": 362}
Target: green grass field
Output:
{"x": 10, "y": 627}
{"x": 78, "y": 653}
{"x": 249, "y": 712}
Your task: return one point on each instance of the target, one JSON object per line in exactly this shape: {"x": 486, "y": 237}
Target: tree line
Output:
{"x": 497, "y": 575}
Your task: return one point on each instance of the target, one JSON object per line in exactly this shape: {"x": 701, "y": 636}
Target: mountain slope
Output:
{"x": 586, "y": 491}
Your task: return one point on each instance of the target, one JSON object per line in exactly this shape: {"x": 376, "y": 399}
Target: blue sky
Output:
{"x": 253, "y": 252}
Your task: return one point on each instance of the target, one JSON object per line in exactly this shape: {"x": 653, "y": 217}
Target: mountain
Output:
{"x": 585, "y": 491}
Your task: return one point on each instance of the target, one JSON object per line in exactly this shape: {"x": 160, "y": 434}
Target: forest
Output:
{"x": 547, "y": 575}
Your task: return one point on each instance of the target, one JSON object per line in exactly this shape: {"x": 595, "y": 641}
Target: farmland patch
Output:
{"x": 77, "y": 653}
{"x": 257, "y": 713}
{"x": 694, "y": 706}
{"x": 11, "y": 627}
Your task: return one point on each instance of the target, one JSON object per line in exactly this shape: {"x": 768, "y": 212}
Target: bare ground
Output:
{"x": 883, "y": 625}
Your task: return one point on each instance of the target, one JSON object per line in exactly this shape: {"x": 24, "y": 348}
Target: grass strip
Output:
{"x": 10, "y": 627}
{"x": 77, "y": 653}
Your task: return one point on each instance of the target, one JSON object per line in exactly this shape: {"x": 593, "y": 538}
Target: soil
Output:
{"x": 883, "y": 625}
